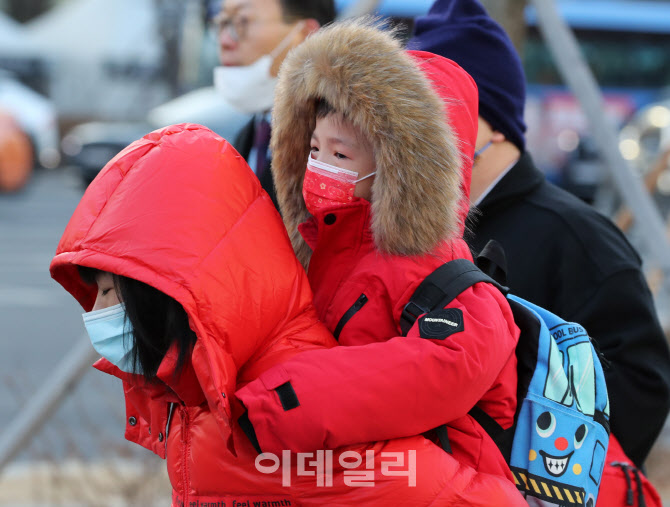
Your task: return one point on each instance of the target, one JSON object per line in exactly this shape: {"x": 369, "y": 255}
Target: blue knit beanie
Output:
{"x": 462, "y": 30}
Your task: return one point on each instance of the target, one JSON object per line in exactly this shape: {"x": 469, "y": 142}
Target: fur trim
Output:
{"x": 364, "y": 72}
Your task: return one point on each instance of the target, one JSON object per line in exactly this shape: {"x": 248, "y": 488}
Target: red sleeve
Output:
{"x": 402, "y": 387}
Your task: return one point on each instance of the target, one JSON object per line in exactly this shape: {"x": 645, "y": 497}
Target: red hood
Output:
{"x": 459, "y": 92}
{"x": 181, "y": 211}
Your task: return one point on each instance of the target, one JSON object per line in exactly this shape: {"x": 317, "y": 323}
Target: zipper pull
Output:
{"x": 629, "y": 485}
{"x": 640, "y": 492}
{"x": 360, "y": 302}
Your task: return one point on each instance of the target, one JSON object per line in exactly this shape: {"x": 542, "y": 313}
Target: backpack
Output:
{"x": 557, "y": 445}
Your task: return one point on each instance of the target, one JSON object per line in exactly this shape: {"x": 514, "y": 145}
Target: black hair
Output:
{"x": 324, "y": 108}
{"x": 321, "y": 10}
{"x": 157, "y": 322}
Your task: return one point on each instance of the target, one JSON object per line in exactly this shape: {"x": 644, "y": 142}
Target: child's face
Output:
{"x": 336, "y": 141}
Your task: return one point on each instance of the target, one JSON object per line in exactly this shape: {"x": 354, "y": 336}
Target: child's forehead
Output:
{"x": 337, "y": 124}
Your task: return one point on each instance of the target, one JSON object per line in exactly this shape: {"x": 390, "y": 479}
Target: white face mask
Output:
{"x": 251, "y": 88}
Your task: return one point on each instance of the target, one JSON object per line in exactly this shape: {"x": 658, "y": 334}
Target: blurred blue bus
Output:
{"x": 393, "y": 8}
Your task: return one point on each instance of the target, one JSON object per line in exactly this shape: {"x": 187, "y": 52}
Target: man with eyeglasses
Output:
{"x": 254, "y": 38}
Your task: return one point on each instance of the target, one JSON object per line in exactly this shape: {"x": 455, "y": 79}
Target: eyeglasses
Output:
{"x": 235, "y": 26}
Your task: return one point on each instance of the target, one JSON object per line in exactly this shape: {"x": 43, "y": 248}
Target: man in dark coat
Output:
{"x": 561, "y": 254}
{"x": 254, "y": 38}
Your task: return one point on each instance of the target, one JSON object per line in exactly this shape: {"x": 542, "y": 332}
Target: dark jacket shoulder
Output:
{"x": 525, "y": 212}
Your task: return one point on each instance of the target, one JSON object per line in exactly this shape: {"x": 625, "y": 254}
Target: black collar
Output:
{"x": 522, "y": 179}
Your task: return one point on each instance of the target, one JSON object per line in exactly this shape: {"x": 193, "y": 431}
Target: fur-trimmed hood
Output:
{"x": 418, "y": 109}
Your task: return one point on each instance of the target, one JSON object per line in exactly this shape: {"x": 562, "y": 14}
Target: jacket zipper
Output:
{"x": 167, "y": 424}
{"x": 360, "y": 302}
{"x": 184, "y": 446}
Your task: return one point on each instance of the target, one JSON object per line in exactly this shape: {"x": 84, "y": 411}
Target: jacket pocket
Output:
{"x": 360, "y": 303}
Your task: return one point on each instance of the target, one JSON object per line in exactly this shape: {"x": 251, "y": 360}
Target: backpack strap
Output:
{"x": 497, "y": 433}
{"x": 492, "y": 261}
{"x": 443, "y": 437}
{"x": 441, "y": 287}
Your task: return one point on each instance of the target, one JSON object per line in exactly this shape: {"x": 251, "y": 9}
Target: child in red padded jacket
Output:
{"x": 372, "y": 152}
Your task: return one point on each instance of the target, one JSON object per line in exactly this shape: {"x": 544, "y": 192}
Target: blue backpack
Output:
{"x": 557, "y": 445}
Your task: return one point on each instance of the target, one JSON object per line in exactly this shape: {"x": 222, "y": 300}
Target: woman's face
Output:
{"x": 107, "y": 295}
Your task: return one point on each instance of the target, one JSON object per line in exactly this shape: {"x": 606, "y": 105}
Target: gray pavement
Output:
{"x": 38, "y": 319}
{"x": 40, "y": 323}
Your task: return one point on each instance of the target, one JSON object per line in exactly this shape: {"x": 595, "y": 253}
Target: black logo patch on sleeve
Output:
{"x": 440, "y": 324}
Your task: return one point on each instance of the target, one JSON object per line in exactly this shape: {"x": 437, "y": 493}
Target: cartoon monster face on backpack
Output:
{"x": 557, "y": 453}
{"x": 563, "y": 464}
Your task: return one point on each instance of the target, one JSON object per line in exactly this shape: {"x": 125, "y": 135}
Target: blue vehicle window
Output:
{"x": 618, "y": 59}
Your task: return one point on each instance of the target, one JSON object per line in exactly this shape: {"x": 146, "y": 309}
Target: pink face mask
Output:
{"x": 328, "y": 186}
